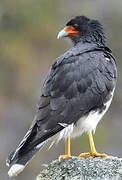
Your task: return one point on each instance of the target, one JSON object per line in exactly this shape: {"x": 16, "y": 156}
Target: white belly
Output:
{"x": 85, "y": 124}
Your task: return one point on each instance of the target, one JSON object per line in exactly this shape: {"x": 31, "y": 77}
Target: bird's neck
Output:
{"x": 98, "y": 40}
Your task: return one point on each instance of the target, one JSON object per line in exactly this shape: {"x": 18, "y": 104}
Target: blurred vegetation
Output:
{"x": 28, "y": 46}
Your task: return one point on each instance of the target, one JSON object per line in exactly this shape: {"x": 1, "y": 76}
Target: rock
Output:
{"x": 92, "y": 168}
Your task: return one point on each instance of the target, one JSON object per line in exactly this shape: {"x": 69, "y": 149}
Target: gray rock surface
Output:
{"x": 92, "y": 168}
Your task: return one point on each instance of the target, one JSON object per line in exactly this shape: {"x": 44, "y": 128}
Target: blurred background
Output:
{"x": 28, "y": 46}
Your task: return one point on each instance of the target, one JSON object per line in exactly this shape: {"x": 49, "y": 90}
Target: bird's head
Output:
{"x": 83, "y": 29}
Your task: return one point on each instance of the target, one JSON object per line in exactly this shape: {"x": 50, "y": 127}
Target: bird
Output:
{"x": 76, "y": 93}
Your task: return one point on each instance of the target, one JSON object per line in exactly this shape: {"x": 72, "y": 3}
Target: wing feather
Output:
{"x": 77, "y": 86}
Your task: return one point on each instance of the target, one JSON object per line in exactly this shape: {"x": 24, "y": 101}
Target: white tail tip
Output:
{"x": 15, "y": 170}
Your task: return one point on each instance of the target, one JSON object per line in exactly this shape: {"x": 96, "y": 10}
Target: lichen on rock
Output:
{"x": 92, "y": 168}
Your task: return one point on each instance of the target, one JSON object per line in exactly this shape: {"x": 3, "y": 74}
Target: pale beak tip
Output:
{"x": 58, "y": 37}
{"x": 61, "y": 34}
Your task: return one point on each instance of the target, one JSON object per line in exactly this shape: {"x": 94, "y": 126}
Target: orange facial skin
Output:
{"x": 70, "y": 30}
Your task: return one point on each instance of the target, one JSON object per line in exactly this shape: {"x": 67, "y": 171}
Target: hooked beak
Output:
{"x": 61, "y": 34}
{"x": 68, "y": 30}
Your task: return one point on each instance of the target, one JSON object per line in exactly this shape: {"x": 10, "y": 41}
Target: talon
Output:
{"x": 67, "y": 150}
{"x": 99, "y": 155}
{"x": 92, "y": 154}
{"x": 64, "y": 157}
{"x": 84, "y": 155}
{"x": 93, "y": 150}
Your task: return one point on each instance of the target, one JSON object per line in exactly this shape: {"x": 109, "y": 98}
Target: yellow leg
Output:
{"x": 93, "y": 149}
{"x": 91, "y": 142}
{"x": 67, "y": 150}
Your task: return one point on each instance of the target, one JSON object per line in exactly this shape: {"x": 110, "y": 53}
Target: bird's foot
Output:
{"x": 95, "y": 154}
{"x": 64, "y": 157}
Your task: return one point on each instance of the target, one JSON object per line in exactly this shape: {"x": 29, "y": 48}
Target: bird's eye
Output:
{"x": 75, "y": 25}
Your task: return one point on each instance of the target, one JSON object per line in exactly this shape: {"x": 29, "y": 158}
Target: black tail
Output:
{"x": 32, "y": 142}
{"x": 28, "y": 147}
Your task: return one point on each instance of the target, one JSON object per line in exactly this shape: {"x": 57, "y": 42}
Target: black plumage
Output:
{"x": 78, "y": 82}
